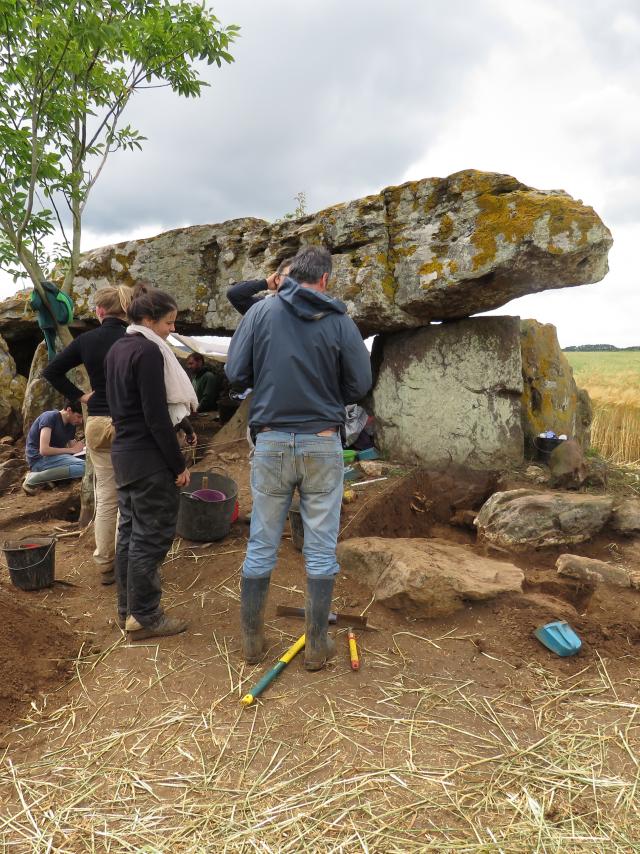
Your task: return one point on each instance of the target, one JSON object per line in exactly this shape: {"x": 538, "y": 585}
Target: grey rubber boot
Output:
{"x": 253, "y": 600}
{"x": 319, "y": 646}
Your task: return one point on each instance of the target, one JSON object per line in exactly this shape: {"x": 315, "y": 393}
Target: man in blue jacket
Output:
{"x": 305, "y": 359}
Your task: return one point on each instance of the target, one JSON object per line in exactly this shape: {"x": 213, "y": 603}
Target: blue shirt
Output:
{"x": 304, "y": 358}
{"x": 61, "y": 434}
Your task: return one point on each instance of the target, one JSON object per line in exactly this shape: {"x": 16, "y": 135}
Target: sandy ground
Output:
{"x": 462, "y": 734}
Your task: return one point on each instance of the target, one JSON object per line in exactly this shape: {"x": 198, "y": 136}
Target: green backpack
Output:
{"x": 59, "y": 307}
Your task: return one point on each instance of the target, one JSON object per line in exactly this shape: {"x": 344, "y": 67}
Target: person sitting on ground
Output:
{"x": 205, "y": 382}
{"x": 51, "y": 440}
{"x": 244, "y": 295}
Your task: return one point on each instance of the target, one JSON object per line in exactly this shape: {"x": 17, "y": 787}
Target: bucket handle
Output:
{"x": 205, "y": 479}
{"x": 537, "y": 446}
{"x": 33, "y": 565}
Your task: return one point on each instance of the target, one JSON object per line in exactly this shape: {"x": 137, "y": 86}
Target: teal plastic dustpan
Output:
{"x": 559, "y": 637}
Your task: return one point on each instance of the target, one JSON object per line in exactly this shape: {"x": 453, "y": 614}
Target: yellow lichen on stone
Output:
{"x": 520, "y": 216}
{"x": 550, "y": 397}
{"x": 202, "y": 292}
{"x": 436, "y": 269}
{"x": 446, "y": 227}
{"x": 478, "y": 183}
{"x": 389, "y": 285}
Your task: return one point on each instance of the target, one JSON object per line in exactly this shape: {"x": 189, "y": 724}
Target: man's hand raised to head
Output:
{"x": 273, "y": 281}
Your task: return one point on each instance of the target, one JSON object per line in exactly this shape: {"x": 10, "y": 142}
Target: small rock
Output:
{"x": 537, "y": 474}
{"x": 373, "y": 468}
{"x": 568, "y": 466}
{"x": 7, "y": 440}
{"x": 591, "y": 571}
{"x": 625, "y": 518}
{"x": 464, "y": 519}
{"x": 11, "y": 472}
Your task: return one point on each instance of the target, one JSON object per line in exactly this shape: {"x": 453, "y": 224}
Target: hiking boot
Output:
{"x": 29, "y": 490}
{"x": 163, "y": 627}
{"x": 253, "y": 600}
{"x": 108, "y": 577}
{"x": 319, "y": 646}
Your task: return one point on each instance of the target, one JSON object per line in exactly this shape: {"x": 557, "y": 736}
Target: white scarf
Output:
{"x": 181, "y": 397}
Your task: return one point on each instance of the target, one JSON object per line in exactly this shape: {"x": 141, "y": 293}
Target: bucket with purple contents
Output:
{"x": 206, "y": 507}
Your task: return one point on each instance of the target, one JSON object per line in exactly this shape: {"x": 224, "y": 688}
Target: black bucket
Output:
{"x": 297, "y": 528}
{"x": 31, "y": 562}
{"x": 205, "y": 521}
{"x": 545, "y": 446}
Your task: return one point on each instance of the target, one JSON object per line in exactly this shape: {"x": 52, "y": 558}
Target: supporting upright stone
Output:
{"x": 451, "y": 393}
{"x": 551, "y": 399}
{"x": 40, "y": 395}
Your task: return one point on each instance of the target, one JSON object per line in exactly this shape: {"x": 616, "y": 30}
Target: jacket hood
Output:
{"x": 307, "y": 303}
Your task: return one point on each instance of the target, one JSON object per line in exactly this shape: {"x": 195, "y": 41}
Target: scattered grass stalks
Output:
{"x": 441, "y": 766}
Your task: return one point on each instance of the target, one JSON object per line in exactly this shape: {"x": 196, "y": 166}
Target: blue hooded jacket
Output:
{"x": 304, "y": 358}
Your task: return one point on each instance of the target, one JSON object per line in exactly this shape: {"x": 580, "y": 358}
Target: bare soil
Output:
{"x": 483, "y": 656}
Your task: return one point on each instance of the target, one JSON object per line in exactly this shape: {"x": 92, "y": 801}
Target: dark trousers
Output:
{"x": 148, "y": 513}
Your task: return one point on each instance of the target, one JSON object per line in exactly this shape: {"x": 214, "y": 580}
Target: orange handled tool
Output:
{"x": 353, "y": 650}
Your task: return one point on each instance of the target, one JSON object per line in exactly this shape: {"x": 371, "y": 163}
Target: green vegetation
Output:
{"x": 67, "y": 73}
{"x": 604, "y": 369}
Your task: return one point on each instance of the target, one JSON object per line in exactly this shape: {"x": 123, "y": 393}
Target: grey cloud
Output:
{"x": 332, "y": 98}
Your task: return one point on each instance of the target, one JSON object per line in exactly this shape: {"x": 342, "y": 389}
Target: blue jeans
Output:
{"x": 282, "y": 462}
{"x": 76, "y": 466}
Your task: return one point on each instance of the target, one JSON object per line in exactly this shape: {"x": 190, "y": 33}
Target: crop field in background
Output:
{"x": 613, "y": 382}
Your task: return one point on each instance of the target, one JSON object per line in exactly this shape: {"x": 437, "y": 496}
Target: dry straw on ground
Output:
{"x": 439, "y": 766}
{"x": 613, "y": 382}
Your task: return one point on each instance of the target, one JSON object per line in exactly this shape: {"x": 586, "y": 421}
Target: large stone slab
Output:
{"x": 12, "y": 390}
{"x": 551, "y": 400}
{"x": 427, "y": 577}
{"x": 450, "y": 393}
{"x": 526, "y": 519}
{"x": 435, "y": 249}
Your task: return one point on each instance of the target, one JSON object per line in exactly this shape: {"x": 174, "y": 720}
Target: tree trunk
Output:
{"x": 87, "y": 497}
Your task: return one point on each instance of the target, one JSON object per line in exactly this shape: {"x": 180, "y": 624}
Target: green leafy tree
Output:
{"x": 68, "y": 70}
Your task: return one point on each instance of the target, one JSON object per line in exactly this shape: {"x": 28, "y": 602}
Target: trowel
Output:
{"x": 559, "y": 637}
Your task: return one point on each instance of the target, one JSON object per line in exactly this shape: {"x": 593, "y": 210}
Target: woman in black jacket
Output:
{"x": 147, "y": 460}
{"x": 90, "y": 349}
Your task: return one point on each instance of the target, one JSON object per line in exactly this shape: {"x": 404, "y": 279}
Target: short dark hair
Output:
{"x": 74, "y": 406}
{"x": 310, "y": 264}
{"x": 284, "y": 264}
{"x": 150, "y": 302}
{"x": 197, "y": 356}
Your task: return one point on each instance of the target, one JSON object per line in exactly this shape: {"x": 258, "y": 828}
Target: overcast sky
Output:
{"x": 340, "y": 99}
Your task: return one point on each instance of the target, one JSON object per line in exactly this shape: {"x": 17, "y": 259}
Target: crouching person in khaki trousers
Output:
{"x": 90, "y": 349}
